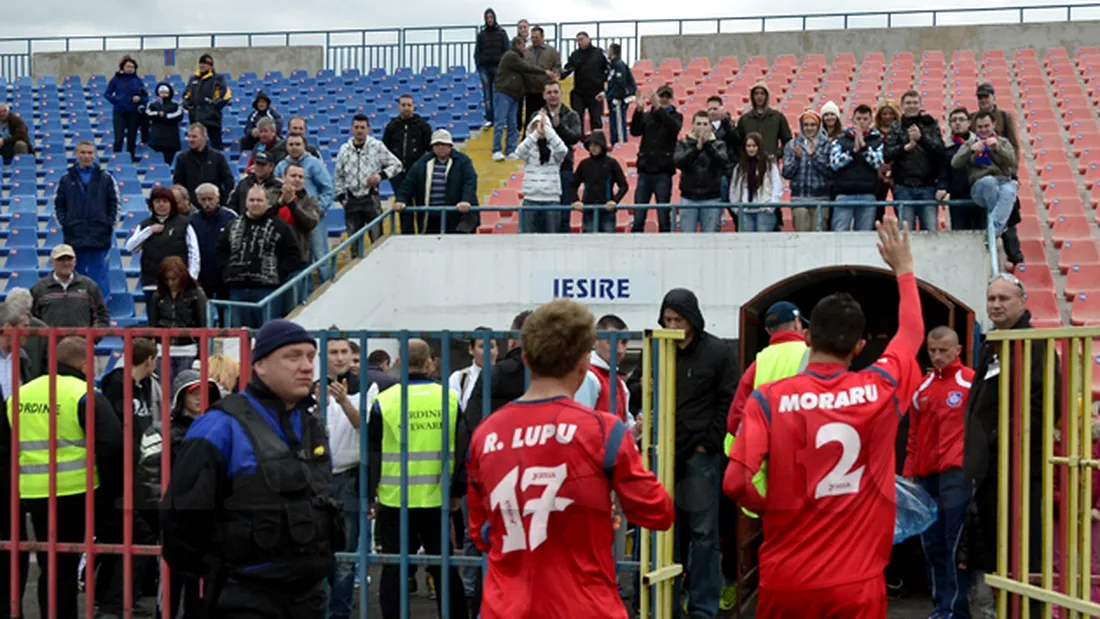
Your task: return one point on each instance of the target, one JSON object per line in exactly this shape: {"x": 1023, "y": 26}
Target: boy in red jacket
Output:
{"x": 541, "y": 474}
{"x": 934, "y": 458}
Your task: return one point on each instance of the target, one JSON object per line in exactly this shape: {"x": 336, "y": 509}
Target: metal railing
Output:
{"x": 298, "y": 288}
{"x": 416, "y": 47}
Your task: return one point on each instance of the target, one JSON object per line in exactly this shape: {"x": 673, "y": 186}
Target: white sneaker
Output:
{"x": 512, "y": 157}
{"x": 488, "y": 123}
{"x": 498, "y": 156}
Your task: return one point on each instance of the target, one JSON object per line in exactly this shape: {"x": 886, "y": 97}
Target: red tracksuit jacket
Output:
{"x": 937, "y": 420}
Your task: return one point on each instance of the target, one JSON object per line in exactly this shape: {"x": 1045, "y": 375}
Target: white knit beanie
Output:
{"x": 830, "y": 108}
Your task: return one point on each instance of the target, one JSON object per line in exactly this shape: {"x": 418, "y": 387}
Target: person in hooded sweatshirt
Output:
{"x": 261, "y": 108}
{"x": 492, "y": 42}
{"x": 164, "y": 122}
{"x": 186, "y": 407}
{"x": 770, "y": 124}
{"x": 164, "y": 233}
{"x": 706, "y": 381}
{"x": 126, "y": 92}
{"x": 598, "y": 174}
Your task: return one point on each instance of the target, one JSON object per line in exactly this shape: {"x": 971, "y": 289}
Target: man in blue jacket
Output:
{"x": 86, "y": 204}
{"x": 250, "y": 506}
{"x": 319, "y": 184}
{"x": 443, "y": 177}
{"x": 126, "y": 92}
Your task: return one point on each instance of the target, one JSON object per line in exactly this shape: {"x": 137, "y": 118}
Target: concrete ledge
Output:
{"x": 232, "y": 60}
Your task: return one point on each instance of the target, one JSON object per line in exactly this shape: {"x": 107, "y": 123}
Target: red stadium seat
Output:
{"x": 1082, "y": 278}
{"x": 1034, "y": 250}
{"x": 1085, "y": 310}
{"x": 1071, "y": 228}
{"x": 1029, "y": 228}
{"x": 1035, "y": 276}
{"x": 1077, "y": 253}
{"x": 1063, "y": 207}
{"x": 1044, "y": 309}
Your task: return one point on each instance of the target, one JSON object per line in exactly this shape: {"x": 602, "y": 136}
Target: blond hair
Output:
{"x": 224, "y": 371}
{"x": 556, "y": 336}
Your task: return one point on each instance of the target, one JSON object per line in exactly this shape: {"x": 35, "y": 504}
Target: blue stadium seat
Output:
{"x": 23, "y": 204}
{"x": 114, "y": 259}
{"x": 24, "y": 221}
{"x": 54, "y": 235}
{"x": 334, "y": 220}
{"x": 22, "y": 238}
{"x": 117, "y": 280}
{"x": 25, "y": 278}
{"x": 21, "y": 260}
{"x": 109, "y": 346}
{"x": 121, "y": 305}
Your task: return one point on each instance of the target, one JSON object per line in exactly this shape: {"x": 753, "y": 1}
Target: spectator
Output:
{"x": 567, "y": 124}
{"x": 15, "y": 138}
{"x": 409, "y": 137}
{"x": 886, "y": 115}
{"x": 914, "y": 147}
{"x": 659, "y": 129}
{"x": 542, "y": 152}
{"x": 67, "y": 299}
{"x": 183, "y": 197}
{"x": 596, "y": 391}
{"x": 1004, "y": 123}
{"x": 756, "y": 180}
{"x": 318, "y": 183}
{"x": 296, "y": 207}
{"x": 507, "y": 379}
{"x": 354, "y": 356}
{"x": 761, "y": 118}
{"x": 855, "y": 158}
{"x": 164, "y": 233}
{"x": 492, "y": 42}
{"x": 622, "y": 90}
{"x": 295, "y": 126}
{"x": 261, "y": 108}
{"x": 703, "y": 161}
{"x": 206, "y": 94}
{"x": 954, "y": 183}
{"x": 725, "y": 130}
{"x": 208, "y": 224}
{"x": 990, "y": 162}
{"x": 378, "y": 368}
{"x": 508, "y": 96}
{"x": 145, "y": 404}
{"x": 361, "y": 166}
{"x": 226, "y": 372}
{"x": 589, "y": 67}
{"x": 598, "y": 173}
{"x": 831, "y": 123}
{"x": 202, "y": 164}
{"x": 806, "y": 165}
{"x": 443, "y": 177}
{"x": 36, "y": 345}
{"x": 267, "y": 141}
{"x": 164, "y": 119}
{"x": 546, "y": 58}
{"x": 86, "y": 205}
{"x": 523, "y": 31}
{"x": 706, "y": 380}
{"x": 257, "y": 252}
{"x": 13, "y": 315}
{"x": 462, "y": 381}
{"x": 126, "y": 92}
{"x": 178, "y": 303}
{"x": 262, "y": 175}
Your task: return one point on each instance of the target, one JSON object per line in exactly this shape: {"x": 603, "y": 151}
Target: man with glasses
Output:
{"x": 806, "y": 166}
{"x": 954, "y": 183}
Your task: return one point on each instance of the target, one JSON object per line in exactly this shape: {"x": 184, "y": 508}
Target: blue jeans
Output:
{"x": 844, "y": 216}
{"x": 998, "y": 196}
{"x": 505, "y": 111}
{"x": 606, "y": 220}
{"x": 564, "y": 226}
{"x": 616, "y": 115}
{"x": 345, "y": 487}
{"x": 705, "y": 218}
{"x": 950, "y": 585}
{"x": 471, "y": 576}
{"x": 488, "y": 80}
{"x": 318, "y": 247}
{"x": 92, "y": 263}
{"x": 697, "y": 532}
{"x": 242, "y": 317}
{"x": 927, "y": 215}
{"x": 537, "y": 221}
{"x": 650, "y": 186}
{"x": 757, "y": 222}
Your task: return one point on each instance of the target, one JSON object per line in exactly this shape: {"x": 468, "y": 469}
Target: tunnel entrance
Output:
{"x": 876, "y": 291}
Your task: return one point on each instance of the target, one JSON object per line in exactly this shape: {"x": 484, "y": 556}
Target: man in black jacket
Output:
{"x": 703, "y": 161}
{"x": 206, "y": 94}
{"x": 706, "y": 380}
{"x": 588, "y": 65}
{"x": 201, "y": 164}
{"x": 507, "y": 379}
{"x": 1005, "y": 304}
{"x": 954, "y": 183}
{"x": 914, "y": 146}
{"x": 855, "y": 157}
{"x": 263, "y": 174}
{"x": 492, "y": 42}
{"x": 409, "y": 137}
{"x": 567, "y": 124}
{"x": 659, "y": 129}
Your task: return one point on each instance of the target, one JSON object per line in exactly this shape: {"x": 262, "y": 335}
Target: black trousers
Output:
{"x": 70, "y": 528}
{"x": 126, "y": 126}
{"x": 423, "y": 528}
{"x": 214, "y": 135}
{"x": 109, "y": 571}
{"x": 358, "y": 212}
{"x": 5, "y": 558}
{"x": 249, "y": 601}
{"x": 169, "y": 154}
{"x": 585, "y": 103}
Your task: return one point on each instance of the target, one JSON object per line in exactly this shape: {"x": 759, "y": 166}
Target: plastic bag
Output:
{"x": 916, "y": 510}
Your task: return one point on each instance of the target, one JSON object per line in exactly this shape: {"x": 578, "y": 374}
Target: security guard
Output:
{"x": 425, "y": 469}
{"x": 250, "y": 507}
{"x": 71, "y": 391}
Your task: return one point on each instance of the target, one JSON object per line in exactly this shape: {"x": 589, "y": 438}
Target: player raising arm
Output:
{"x": 828, "y": 437}
{"x": 541, "y": 473}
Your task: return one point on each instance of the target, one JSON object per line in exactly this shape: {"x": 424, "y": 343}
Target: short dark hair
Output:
{"x": 517, "y": 322}
{"x": 837, "y": 324}
{"x": 959, "y": 110}
{"x": 378, "y": 357}
{"x": 142, "y": 348}
{"x": 550, "y": 83}
{"x": 406, "y": 95}
{"x": 475, "y": 340}
{"x": 125, "y": 59}
{"x": 715, "y": 98}
{"x": 616, "y": 49}
{"x": 910, "y": 93}
{"x": 354, "y": 347}
{"x": 360, "y": 118}
{"x": 297, "y": 117}
{"x": 538, "y": 29}
{"x": 581, "y": 33}
{"x": 610, "y": 321}
{"x": 983, "y": 114}
{"x": 863, "y": 108}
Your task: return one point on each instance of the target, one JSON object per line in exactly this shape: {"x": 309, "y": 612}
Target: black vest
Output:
{"x": 280, "y": 524}
{"x": 171, "y": 242}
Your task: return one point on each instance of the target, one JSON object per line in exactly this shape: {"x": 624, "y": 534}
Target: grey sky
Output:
{"x": 79, "y": 17}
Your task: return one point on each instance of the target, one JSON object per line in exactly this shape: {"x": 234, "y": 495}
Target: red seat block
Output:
{"x": 1077, "y": 253}
{"x": 1035, "y": 276}
{"x": 1044, "y": 309}
{"x": 1082, "y": 278}
{"x": 1071, "y": 228}
{"x": 1085, "y": 310}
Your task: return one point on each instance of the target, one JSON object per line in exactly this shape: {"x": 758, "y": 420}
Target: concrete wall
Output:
{"x": 861, "y": 41}
{"x": 232, "y": 60}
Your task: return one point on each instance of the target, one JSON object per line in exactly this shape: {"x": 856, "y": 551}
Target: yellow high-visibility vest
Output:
{"x": 425, "y": 440}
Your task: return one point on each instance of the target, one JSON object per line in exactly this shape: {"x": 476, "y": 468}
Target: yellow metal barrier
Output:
{"x": 658, "y": 563}
{"x": 1068, "y": 356}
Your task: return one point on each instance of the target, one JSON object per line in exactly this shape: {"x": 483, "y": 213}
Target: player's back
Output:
{"x": 831, "y": 509}
{"x": 538, "y": 479}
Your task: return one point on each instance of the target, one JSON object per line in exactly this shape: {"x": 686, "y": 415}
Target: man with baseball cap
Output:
{"x": 249, "y": 508}
{"x": 1004, "y": 123}
{"x": 443, "y": 177}
{"x": 263, "y": 174}
{"x": 65, "y": 298}
{"x": 206, "y": 94}
{"x": 659, "y": 128}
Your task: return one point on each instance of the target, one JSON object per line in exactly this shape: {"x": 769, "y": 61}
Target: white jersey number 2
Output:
{"x": 505, "y": 497}
{"x": 841, "y": 479}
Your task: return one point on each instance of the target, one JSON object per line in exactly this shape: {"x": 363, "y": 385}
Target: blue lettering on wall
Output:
{"x": 592, "y": 289}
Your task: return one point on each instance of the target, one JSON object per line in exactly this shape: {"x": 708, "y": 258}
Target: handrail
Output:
{"x": 408, "y": 46}
{"x": 304, "y": 277}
